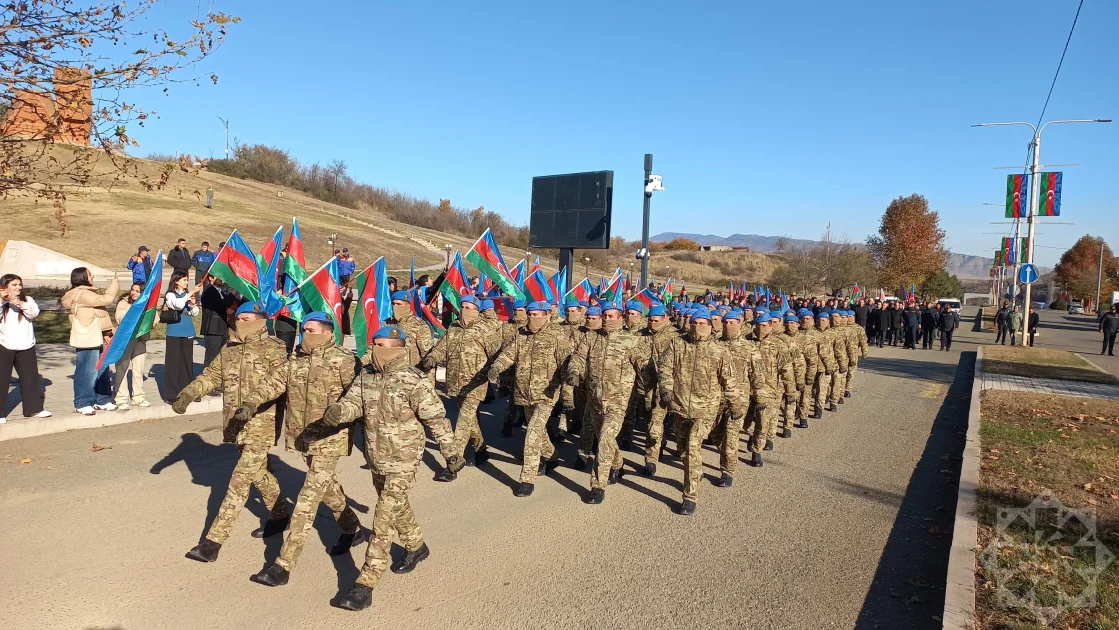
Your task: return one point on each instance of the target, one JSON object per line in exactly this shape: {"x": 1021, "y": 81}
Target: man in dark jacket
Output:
{"x": 218, "y": 303}
{"x": 911, "y": 319}
{"x": 1034, "y": 320}
{"x": 179, "y": 257}
{"x": 929, "y": 323}
{"x": 948, "y": 323}
{"x": 1109, "y": 326}
{"x": 895, "y": 323}
{"x": 881, "y": 317}
{"x": 1002, "y": 319}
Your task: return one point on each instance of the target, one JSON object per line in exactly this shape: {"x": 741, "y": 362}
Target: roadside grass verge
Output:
{"x": 1041, "y": 363}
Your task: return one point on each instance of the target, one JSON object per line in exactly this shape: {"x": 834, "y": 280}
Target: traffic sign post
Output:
{"x": 1027, "y": 274}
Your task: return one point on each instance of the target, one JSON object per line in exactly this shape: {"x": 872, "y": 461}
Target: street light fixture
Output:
{"x": 586, "y": 266}
{"x": 447, "y": 247}
{"x": 226, "y": 123}
{"x": 1034, "y": 191}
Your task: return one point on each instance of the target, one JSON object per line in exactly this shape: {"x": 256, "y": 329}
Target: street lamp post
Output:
{"x": 447, "y": 246}
{"x": 1032, "y": 208}
{"x": 586, "y": 266}
{"x": 226, "y": 123}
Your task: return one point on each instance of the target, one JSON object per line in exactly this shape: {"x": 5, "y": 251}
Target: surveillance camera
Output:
{"x": 653, "y": 184}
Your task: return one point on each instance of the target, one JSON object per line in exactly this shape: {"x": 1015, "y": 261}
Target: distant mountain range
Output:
{"x": 961, "y": 265}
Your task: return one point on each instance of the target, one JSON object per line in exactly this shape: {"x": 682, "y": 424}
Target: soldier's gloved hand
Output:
{"x": 182, "y": 401}
{"x": 333, "y": 415}
{"x": 568, "y": 406}
{"x": 572, "y": 380}
{"x": 666, "y": 398}
{"x": 493, "y": 375}
{"x": 455, "y": 463}
{"x": 245, "y": 412}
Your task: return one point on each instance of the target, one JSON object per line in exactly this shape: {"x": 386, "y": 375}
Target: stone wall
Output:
{"x": 62, "y": 114}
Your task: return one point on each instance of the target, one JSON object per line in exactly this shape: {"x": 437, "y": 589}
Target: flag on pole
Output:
{"x": 581, "y": 291}
{"x": 647, "y": 299}
{"x": 137, "y": 321}
{"x": 374, "y": 304}
{"x": 1017, "y": 195}
{"x": 487, "y": 258}
{"x": 236, "y": 266}
{"x": 295, "y": 243}
{"x": 1049, "y": 195}
{"x": 666, "y": 291}
{"x": 270, "y": 294}
{"x": 322, "y": 291}
{"x": 558, "y": 283}
{"x": 536, "y": 286}
{"x": 421, "y": 309}
{"x": 270, "y": 249}
{"x": 613, "y": 288}
{"x": 518, "y": 273}
{"x": 1023, "y": 249}
{"x": 455, "y": 284}
{"x": 856, "y": 291}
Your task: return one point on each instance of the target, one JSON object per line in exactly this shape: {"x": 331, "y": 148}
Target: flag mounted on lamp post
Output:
{"x": 1017, "y": 195}
{"x": 1049, "y": 195}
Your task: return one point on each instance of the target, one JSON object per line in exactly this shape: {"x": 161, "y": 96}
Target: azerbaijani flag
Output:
{"x": 295, "y": 244}
{"x": 236, "y": 266}
{"x": 581, "y": 291}
{"x": 613, "y": 288}
{"x": 647, "y": 299}
{"x": 535, "y": 266}
{"x": 421, "y": 309}
{"x": 856, "y": 291}
{"x": 137, "y": 322}
{"x": 666, "y": 292}
{"x": 487, "y": 258}
{"x": 536, "y": 285}
{"x": 558, "y": 282}
{"x": 518, "y": 272}
{"x": 1049, "y": 195}
{"x": 1017, "y": 195}
{"x": 1023, "y": 250}
{"x": 322, "y": 291}
{"x": 293, "y": 267}
{"x": 374, "y": 304}
{"x": 455, "y": 284}
{"x": 272, "y": 300}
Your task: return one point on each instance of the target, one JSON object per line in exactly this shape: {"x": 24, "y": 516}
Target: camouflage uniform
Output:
{"x": 394, "y": 406}
{"x": 800, "y": 368}
{"x": 635, "y": 325}
{"x": 694, "y": 376}
{"x": 508, "y": 334}
{"x": 838, "y": 340}
{"x": 315, "y": 380}
{"x": 467, "y": 351}
{"x": 419, "y": 342}
{"x": 607, "y": 364}
{"x": 573, "y": 398}
{"x": 538, "y": 359}
{"x": 820, "y": 359}
{"x": 747, "y": 360}
{"x": 250, "y": 372}
{"x": 656, "y": 343}
{"x": 780, "y": 385}
{"x": 857, "y": 348}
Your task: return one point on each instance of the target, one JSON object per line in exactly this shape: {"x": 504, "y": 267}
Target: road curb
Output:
{"x": 19, "y": 428}
{"x": 959, "y": 592}
{"x": 1089, "y": 362}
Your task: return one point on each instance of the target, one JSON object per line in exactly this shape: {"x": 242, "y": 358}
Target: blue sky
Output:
{"x": 764, "y": 118}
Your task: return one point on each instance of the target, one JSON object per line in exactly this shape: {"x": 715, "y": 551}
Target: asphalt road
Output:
{"x": 847, "y": 525}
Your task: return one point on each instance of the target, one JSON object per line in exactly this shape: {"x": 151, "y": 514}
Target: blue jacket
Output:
{"x": 346, "y": 267}
{"x": 202, "y": 261}
{"x": 140, "y": 271}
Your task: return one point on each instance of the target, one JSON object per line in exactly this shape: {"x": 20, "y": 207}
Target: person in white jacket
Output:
{"x": 133, "y": 360}
{"x": 17, "y": 348}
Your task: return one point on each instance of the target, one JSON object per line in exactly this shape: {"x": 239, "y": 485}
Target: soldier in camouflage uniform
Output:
{"x": 467, "y": 350}
{"x": 780, "y": 384}
{"x": 829, "y": 366}
{"x": 635, "y": 323}
{"x": 509, "y": 335}
{"x": 694, "y": 374}
{"x": 539, "y": 358}
{"x": 839, "y": 343}
{"x": 747, "y": 322}
{"x": 859, "y": 346}
{"x": 717, "y": 323}
{"x": 572, "y": 399}
{"x": 657, "y": 337}
{"x": 811, "y": 342}
{"x": 800, "y": 368}
{"x": 608, "y": 362}
{"x": 420, "y": 341}
{"x": 317, "y": 374}
{"x": 394, "y": 402}
{"x": 748, "y": 365}
{"x": 489, "y": 314}
{"x": 250, "y": 371}
{"x": 588, "y": 433}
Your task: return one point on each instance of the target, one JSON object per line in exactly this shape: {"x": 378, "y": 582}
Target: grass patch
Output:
{"x": 1041, "y": 363}
{"x": 1050, "y": 447}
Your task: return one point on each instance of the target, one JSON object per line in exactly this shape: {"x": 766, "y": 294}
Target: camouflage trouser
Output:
{"x": 807, "y": 397}
{"x": 393, "y": 513}
{"x": 656, "y": 433}
{"x": 838, "y": 382}
{"x": 634, "y": 408}
{"x": 609, "y": 456}
{"x": 693, "y": 457}
{"x": 789, "y": 409}
{"x": 253, "y": 468}
{"x": 592, "y": 423}
{"x": 823, "y": 388}
{"x": 537, "y": 444}
{"x": 764, "y": 427}
{"x": 321, "y": 485}
{"x": 467, "y": 430}
{"x": 680, "y": 428}
{"x": 851, "y": 369}
{"x": 728, "y": 457}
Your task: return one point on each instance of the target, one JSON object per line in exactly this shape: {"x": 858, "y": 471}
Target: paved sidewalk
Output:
{"x": 1057, "y": 387}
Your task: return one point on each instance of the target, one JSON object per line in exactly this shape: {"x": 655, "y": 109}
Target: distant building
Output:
{"x": 61, "y": 114}
{"x": 723, "y": 248}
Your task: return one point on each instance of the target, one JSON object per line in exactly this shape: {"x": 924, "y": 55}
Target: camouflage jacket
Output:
{"x": 538, "y": 359}
{"x": 817, "y": 352}
{"x": 655, "y": 344}
{"x": 316, "y": 380}
{"x": 848, "y": 333}
{"x": 698, "y": 375}
{"x": 778, "y": 361}
{"x": 491, "y": 320}
{"x": 858, "y": 336}
{"x": 750, "y": 368}
{"x": 419, "y": 342}
{"x": 249, "y": 372}
{"x": 394, "y": 407}
{"x": 467, "y": 352}
{"x": 607, "y": 365}
{"x": 800, "y": 364}
{"x": 838, "y": 340}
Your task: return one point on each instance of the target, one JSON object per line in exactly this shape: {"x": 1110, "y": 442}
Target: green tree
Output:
{"x": 909, "y": 246}
{"x": 939, "y": 285}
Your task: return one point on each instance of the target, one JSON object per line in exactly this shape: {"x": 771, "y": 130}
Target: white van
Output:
{"x": 947, "y": 301}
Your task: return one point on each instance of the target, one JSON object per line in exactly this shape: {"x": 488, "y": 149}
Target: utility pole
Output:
{"x": 645, "y": 220}
{"x": 226, "y": 123}
{"x": 1099, "y": 277}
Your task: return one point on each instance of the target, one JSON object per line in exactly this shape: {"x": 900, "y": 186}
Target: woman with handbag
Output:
{"x": 179, "y": 307}
{"x": 90, "y": 328}
{"x": 17, "y": 348}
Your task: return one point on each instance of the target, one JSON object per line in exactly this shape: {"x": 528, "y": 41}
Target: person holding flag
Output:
{"x": 134, "y": 358}
{"x": 419, "y": 341}
{"x": 250, "y": 373}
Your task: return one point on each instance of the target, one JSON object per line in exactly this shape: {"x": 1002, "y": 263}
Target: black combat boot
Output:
{"x": 768, "y": 445}
{"x": 411, "y": 559}
{"x": 346, "y": 541}
{"x": 541, "y": 468}
{"x": 840, "y": 401}
{"x": 271, "y": 527}
{"x": 507, "y": 430}
{"x": 786, "y": 432}
{"x": 481, "y": 457}
{"x": 446, "y": 475}
{"x": 360, "y": 597}
{"x": 625, "y": 442}
{"x": 523, "y": 490}
{"x": 833, "y": 408}
{"x": 847, "y": 394}
{"x": 803, "y": 424}
{"x": 206, "y": 551}
{"x": 274, "y": 575}
{"x": 551, "y": 465}
{"x": 595, "y": 496}
{"x": 650, "y": 469}
{"x": 756, "y": 461}
{"x": 580, "y": 463}
{"x": 687, "y": 508}
{"x": 819, "y": 413}
{"x": 725, "y": 481}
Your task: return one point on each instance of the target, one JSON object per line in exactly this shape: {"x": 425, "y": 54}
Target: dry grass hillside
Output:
{"x": 110, "y": 217}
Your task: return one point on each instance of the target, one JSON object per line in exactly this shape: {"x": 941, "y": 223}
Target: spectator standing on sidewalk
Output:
{"x": 1034, "y": 320}
{"x": 179, "y": 258}
{"x": 178, "y": 370}
{"x": 1002, "y": 320}
{"x": 201, "y": 260}
{"x": 218, "y": 304}
{"x": 1109, "y": 326}
{"x": 141, "y": 265}
{"x": 17, "y": 348}
{"x": 1014, "y": 324}
{"x": 346, "y": 266}
{"x": 134, "y": 360}
{"x": 90, "y": 329}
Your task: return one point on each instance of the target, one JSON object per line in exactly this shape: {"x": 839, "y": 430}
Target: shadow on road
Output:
{"x": 906, "y": 367}
{"x": 908, "y": 586}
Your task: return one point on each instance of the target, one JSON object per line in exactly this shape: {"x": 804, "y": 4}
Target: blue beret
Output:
{"x": 518, "y": 303}
{"x": 805, "y": 313}
{"x": 836, "y": 313}
{"x": 701, "y": 312}
{"x": 318, "y": 316}
{"x": 791, "y": 316}
{"x": 469, "y": 299}
{"x": 656, "y": 310}
{"x": 594, "y": 311}
{"x": 251, "y": 307}
{"x": 539, "y": 306}
{"x": 403, "y": 296}
{"x": 390, "y": 332}
{"x": 487, "y": 304}
{"x": 762, "y": 318}
{"x": 584, "y": 303}
{"x": 733, "y": 314}
{"x": 760, "y": 309}
{"x": 609, "y": 306}
{"x": 634, "y": 305}
{"x": 571, "y": 303}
